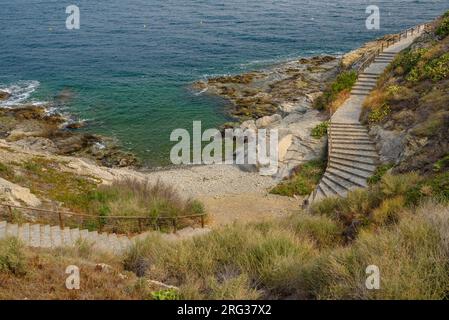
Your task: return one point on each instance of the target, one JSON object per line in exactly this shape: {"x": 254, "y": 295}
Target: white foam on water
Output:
{"x": 20, "y": 92}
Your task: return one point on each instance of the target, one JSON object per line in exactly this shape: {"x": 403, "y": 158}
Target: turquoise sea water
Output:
{"x": 130, "y": 65}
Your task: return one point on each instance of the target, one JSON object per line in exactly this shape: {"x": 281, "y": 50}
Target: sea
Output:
{"x": 128, "y": 70}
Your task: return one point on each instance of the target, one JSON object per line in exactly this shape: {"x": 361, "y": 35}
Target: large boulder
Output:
{"x": 4, "y": 95}
{"x": 17, "y": 195}
{"x": 268, "y": 120}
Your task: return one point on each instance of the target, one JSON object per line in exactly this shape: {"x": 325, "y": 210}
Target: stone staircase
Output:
{"x": 353, "y": 157}
{"x": 50, "y": 237}
{"x": 46, "y": 236}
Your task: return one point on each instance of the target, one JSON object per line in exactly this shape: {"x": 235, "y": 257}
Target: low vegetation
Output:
{"x": 40, "y": 274}
{"x": 399, "y": 224}
{"x": 84, "y": 194}
{"x": 303, "y": 181}
{"x": 132, "y": 198}
{"x": 320, "y": 130}
{"x": 337, "y": 92}
{"x": 318, "y": 255}
{"x": 412, "y": 97}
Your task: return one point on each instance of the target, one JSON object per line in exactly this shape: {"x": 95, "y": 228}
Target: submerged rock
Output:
{"x": 4, "y": 95}
{"x": 33, "y": 128}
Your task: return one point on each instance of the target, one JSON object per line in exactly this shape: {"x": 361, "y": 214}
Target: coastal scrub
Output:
{"x": 303, "y": 181}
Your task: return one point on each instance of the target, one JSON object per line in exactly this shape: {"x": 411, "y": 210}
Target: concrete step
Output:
{"x": 349, "y": 135}
{"x": 355, "y": 159}
{"x": 359, "y": 93}
{"x": 348, "y": 177}
{"x": 319, "y": 194}
{"x": 56, "y": 237}
{"x": 338, "y": 189}
{"x": 344, "y": 184}
{"x": 344, "y": 125}
{"x": 383, "y": 60}
{"x": 2, "y": 229}
{"x": 356, "y": 172}
{"x": 371, "y": 74}
{"x": 66, "y": 237}
{"x": 45, "y": 236}
{"x": 348, "y": 146}
{"x": 349, "y": 130}
{"x": 24, "y": 233}
{"x": 362, "y": 89}
{"x": 92, "y": 236}
{"x": 35, "y": 236}
{"x": 357, "y": 153}
{"x": 75, "y": 234}
{"x": 328, "y": 192}
{"x": 356, "y": 165}
{"x": 84, "y": 234}
{"x": 352, "y": 141}
{"x": 12, "y": 230}
{"x": 362, "y": 85}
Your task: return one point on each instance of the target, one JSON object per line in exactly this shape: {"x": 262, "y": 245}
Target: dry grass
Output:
{"x": 143, "y": 199}
{"x": 42, "y": 274}
{"x": 322, "y": 255}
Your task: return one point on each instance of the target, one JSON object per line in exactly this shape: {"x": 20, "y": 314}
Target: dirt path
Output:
{"x": 248, "y": 207}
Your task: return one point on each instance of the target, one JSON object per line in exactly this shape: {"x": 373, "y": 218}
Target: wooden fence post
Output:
{"x": 10, "y": 213}
{"x": 202, "y": 221}
{"x": 61, "y": 219}
{"x": 175, "y": 227}
{"x": 140, "y": 225}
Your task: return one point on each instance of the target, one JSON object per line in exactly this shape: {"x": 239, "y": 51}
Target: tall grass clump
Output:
{"x": 237, "y": 261}
{"x": 411, "y": 257}
{"x": 139, "y": 198}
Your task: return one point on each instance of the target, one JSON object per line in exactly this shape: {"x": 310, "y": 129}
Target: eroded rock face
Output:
{"x": 390, "y": 144}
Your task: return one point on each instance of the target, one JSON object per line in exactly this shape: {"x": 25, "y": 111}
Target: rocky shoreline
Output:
{"x": 282, "y": 97}
{"x": 34, "y": 128}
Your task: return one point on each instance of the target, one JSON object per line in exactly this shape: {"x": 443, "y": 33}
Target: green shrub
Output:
{"x": 443, "y": 28}
{"x": 12, "y": 256}
{"x": 379, "y": 173}
{"x": 167, "y": 294}
{"x": 408, "y": 60}
{"x": 344, "y": 82}
{"x": 438, "y": 68}
{"x": 378, "y": 114}
{"x": 320, "y": 130}
{"x": 304, "y": 180}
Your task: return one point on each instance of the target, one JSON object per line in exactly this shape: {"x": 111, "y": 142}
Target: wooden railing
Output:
{"x": 157, "y": 222}
{"x": 388, "y": 43}
{"x": 384, "y": 45}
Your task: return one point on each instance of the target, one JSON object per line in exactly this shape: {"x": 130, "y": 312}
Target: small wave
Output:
{"x": 20, "y": 93}
{"x": 201, "y": 92}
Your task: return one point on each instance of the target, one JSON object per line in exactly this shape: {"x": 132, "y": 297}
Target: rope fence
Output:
{"x": 63, "y": 216}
